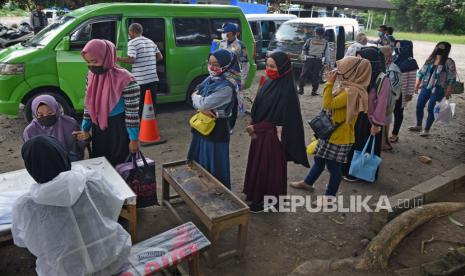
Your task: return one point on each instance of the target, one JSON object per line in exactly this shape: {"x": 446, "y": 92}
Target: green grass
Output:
{"x": 454, "y": 39}
{"x": 8, "y": 12}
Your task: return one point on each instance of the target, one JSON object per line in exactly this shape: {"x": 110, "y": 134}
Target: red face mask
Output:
{"x": 272, "y": 74}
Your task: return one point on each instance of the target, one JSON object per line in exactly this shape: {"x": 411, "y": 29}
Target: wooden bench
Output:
{"x": 216, "y": 206}
{"x": 167, "y": 250}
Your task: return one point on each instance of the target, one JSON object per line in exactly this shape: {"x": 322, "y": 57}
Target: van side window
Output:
{"x": 191, "y": 31}
{"x": 268, "y": 28}
{"x": 94, "y": 30}
{"x": 255, "y": 28}
{"x": 217, "y": 24}
{"x": 350, "y": 33}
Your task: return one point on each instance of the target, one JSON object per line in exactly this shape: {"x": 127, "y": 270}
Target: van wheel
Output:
{"x": 192, "y": 88}
{"x": 65, "y": 106}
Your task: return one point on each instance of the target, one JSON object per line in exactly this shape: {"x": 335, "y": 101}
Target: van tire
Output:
{"x": 191, "y": 89}
{"x": 67, "y": 108}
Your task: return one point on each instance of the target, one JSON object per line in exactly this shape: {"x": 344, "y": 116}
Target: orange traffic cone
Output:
{"x": 149, "y": 134}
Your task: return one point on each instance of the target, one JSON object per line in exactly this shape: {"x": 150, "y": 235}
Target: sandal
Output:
{"x": 394, "y": 139}
{"x": 303, "y": 186}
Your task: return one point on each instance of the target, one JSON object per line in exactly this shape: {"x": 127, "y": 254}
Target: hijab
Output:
{"x": 277, "y": 103}
{"x": 356, "y": 76}
{"x": 104, "y": 90}
{"x": 61, "y": 130}
{"x": 230, "y": 69}
{"x": 45, "y": 158}
{"x": 404, "y": 56}
{"x": 376, "y": 58}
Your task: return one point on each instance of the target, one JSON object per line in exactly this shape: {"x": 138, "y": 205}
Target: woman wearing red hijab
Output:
{"x": 111, "y": 105}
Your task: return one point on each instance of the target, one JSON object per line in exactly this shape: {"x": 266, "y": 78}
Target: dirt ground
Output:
{"x": 279, "y": 242}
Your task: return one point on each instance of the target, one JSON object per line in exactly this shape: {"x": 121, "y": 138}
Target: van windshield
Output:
{"x": 49, "y": 32}
{"x": 295, "y": 32}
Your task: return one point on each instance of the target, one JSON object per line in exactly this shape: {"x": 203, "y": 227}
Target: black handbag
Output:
{"x": 142, "y": 181}
{"x": 458, "y": 87}
{"x": 322, "y": 125}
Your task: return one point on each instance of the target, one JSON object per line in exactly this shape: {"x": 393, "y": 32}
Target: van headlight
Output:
{"x": 11, "y": 68}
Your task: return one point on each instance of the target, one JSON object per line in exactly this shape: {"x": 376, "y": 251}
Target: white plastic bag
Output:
{"x": 444, "y": 111}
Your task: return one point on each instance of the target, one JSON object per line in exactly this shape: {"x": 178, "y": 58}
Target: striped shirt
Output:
{"x": 144, "y": 51}
{"x": 129, "y": 104}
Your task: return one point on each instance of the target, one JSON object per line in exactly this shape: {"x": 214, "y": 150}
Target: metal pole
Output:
{"x": 311, "y": 13}
{"x": 384, "y": 20}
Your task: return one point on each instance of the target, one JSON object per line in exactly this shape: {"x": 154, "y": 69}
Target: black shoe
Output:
{"x": 314, "y": 94}
{"x": 256, "y": 207}
{"x": 301, "y": 92}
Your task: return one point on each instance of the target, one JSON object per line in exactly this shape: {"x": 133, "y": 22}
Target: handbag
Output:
{"x": 322, "y": 125}
{"x": 364, "y": 165}
{"x": 203, "y": 123}
{"x": 458, "y": 87}
{"x": 139, "y": 174}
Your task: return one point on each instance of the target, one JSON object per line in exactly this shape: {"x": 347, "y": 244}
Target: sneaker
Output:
{"x": 351, "y": 179}
{"x": 415, "y": 128}
{"x": 315, "y": 94}
{"x": 302, "y": 186}
{"x": 301, "y": 91}
{"x": 424, "y": 133}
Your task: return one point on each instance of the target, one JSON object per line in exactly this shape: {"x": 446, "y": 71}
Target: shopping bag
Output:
{"x": 444, "y": 111}
{"x": 364, "y": 165}
{"x": 139, "y": 174}
{"x": 311, "y": 148}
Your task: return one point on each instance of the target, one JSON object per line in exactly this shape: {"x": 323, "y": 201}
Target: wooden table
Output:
{"x": 21, "y": 180}
{"x": 216, "y": 206}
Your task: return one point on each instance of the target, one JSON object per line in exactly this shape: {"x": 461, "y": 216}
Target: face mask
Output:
{"x": 98, "y": 70}
{"x": 397, "y": 50}
{"x": 380, "y": 33}
{"x": 47, "y": 121}
{"x": 440, "y": 52}
{"x": 214, "y": 72}
{"x": 272, "y": 74}
{"x": 224, "y": 36}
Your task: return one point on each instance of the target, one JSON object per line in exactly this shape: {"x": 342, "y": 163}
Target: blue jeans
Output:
{"x": 335, "y": 174}
{"x": 423, "y": 98}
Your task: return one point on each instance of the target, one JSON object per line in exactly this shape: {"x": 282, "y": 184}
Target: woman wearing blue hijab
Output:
{"x": 214, "y": 97}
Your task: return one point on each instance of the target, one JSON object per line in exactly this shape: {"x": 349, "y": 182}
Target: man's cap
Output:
{"x": 229, "y": 27}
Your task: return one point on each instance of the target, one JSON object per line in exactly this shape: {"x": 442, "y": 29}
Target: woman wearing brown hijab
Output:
{"x": 344, "y": 105}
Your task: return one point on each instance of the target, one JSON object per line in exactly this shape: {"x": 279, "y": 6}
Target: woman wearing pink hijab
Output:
{"x": 111, "y": 106}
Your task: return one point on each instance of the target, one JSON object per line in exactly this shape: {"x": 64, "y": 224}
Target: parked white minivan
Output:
{"x": 264, "y": 27}
{"x": 291, "y": 36}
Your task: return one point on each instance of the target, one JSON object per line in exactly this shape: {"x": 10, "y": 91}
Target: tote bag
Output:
{"x": 364, "y": 165}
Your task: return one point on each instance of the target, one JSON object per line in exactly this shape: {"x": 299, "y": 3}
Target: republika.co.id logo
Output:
{"x": 342, "y": 204}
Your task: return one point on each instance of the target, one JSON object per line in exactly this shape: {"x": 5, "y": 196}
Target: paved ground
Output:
{"x": 280, "y": 242}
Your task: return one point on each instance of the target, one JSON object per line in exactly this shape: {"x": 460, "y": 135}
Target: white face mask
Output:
{"x": 224, "y": 36}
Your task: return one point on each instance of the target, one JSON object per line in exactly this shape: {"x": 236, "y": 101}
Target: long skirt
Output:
{"x": 113, "y": 142}
{"x": 213, "y": 156}
{"x": 266, "y": 167}
{"x": 362, "y": 133}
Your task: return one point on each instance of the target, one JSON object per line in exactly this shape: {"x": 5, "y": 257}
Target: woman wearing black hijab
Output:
{"x": 277, "y": 133}
{"x": 364, "y": 127}
{"x": 45, "y": 158}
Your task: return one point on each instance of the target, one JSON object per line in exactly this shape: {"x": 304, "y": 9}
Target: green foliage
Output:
{"x": 439, "y": 16}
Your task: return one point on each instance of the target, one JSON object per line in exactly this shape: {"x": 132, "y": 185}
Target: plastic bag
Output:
{"x": 311, "y": 148}
{"x": 365, "y": 164}
{"x": 444, "y": 111}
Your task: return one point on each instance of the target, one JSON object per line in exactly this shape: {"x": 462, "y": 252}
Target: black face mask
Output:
{"x": 440, "y": 51}
{"x": 397, "y": 50}
{"x": 98, "y": 70}
{"x": 47, "y": 121}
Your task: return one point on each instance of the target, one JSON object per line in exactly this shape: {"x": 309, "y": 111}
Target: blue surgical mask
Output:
{"x": 380, "y": 33}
